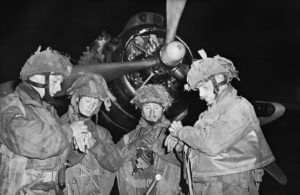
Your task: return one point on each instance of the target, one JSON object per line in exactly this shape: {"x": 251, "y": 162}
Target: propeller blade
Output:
{"x": 109, "y": 71}
{"x": 276, "y": 172}
{"x": 174, "y": 11}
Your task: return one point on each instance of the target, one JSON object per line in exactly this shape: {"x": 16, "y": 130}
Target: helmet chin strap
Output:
{"x": 218, "y": 85}
{"x": 35, "y": 84}
{"x": 47, "y": 97}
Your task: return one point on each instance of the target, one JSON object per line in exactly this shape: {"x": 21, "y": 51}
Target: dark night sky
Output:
{"x": 261, "y": 37}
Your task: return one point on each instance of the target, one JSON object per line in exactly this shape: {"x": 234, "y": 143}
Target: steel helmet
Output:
{"x": 206, "y": 68}
{"x": 152, "y": 94}
{"x": 91, "y": 85}
{"x": 45, "y": 62}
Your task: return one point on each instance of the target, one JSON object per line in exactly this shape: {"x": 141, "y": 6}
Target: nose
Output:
{"x": 91, "y": 106}
{"x": 150, "y": 111}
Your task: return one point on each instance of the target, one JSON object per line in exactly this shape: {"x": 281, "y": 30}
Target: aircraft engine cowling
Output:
{"x": 140, "y": 43}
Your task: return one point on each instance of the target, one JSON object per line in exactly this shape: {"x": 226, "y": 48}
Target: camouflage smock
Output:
{"x": 94, "y": 172}
{"x": 227, "y": 138}
{"x": 34, "y": 141}
{"x": 165, "y": 164}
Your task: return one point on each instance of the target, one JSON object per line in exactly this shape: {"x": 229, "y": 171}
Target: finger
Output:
{"x": 168, "y": 146}
{"x": 172, "y": 129}
{"x": 167, "y": 140}
{"x": 177, "y": 124}
{"x": 170, "y": 140}
{"x": 75, "y": 144}
{"x": 168, "y": 143}
{"x": 174, "y": 144}
{"x": 180, "y": 124}
{"x": 171, "y": 146}
{"x": 81, "y": 145}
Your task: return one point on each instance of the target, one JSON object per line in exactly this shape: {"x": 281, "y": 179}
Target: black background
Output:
{"x": 261, "y": 37}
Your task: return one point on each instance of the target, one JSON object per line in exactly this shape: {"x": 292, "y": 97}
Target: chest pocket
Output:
{"x": 44, "y": 115}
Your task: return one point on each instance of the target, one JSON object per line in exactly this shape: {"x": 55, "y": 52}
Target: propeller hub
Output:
{"x": 172, "y": 53}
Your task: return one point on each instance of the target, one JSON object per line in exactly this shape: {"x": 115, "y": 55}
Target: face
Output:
{"x": 152, "y": 111}
{"x": 206, "y": 92}
{"x": 87, "y": 105}
{"x": 55, "y": 84}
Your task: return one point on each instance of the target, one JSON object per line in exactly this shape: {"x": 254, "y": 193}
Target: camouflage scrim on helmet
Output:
{"x": 152, "y": 94}
{"x": 202, "y": 70}
{"x": 91, "y": 85}
{"x": 45, "y": 62}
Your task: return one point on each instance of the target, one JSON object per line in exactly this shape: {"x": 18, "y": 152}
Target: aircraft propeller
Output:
{"x": 170, "y": 54}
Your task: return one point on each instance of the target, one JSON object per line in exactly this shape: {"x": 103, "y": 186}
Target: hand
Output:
{"x": 84, "y": 141}
{"x": 78, "y": 128}
{"x": 175, "y": 127}
{"x": 90, "y": 142}
{"x": 172, "y": 142}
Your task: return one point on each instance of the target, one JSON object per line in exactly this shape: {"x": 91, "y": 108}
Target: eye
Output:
{"x": 96, "y": 103}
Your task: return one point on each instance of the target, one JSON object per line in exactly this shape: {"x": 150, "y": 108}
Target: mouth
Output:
{"x": 154, "y": 118}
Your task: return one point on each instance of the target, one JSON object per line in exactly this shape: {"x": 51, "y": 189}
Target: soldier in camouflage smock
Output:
{"x": 92, "y": 171}
{"x": 227, "y": 148}
{"x": 34, "y": 140}
{"x": 143, "y": 150}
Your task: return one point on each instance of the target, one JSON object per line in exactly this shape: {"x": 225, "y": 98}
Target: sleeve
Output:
{"x": 31, "y": 137}
{"x": 221, "y": 134}
{"x": 106, "y": 152}
{"x": 160, "y": 150}
{"x": 128, "y": 147}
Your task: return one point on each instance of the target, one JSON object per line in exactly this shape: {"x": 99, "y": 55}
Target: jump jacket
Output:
{"x": 227, "y": 138}
{"x": 34, "y": 141}
{"x": 94, "y": 172}
{"x": 165, "y": 164}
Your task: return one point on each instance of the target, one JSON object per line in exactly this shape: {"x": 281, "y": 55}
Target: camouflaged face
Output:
{"x": 91, "y": 85}
{"x": 46, "y": 61}
{"x": 152, "y": 94}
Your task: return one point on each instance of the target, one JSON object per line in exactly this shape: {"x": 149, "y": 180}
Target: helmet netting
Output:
{"x": 152, "y": 94}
